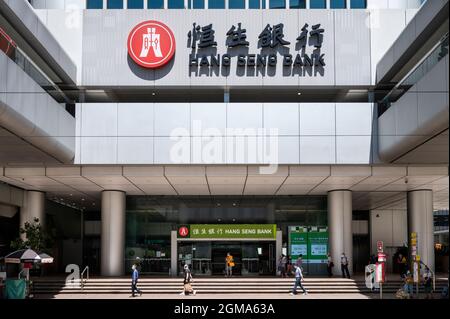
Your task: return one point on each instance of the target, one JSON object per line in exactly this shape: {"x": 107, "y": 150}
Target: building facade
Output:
{"x": 177, "y": 131}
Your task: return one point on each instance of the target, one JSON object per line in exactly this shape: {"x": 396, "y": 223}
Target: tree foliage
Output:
{"x": 36, "y": 237}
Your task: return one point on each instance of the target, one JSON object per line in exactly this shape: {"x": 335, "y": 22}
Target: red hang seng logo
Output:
{"x": 151, "y": 44}
{"x": 183, "y": 231}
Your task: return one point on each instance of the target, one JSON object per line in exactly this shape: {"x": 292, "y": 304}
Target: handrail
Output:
{"x": 433, "y": 275}
{"x": 86, "y": 269}
{"x": 434, "y": 280}
{"x": 21, "y": 272}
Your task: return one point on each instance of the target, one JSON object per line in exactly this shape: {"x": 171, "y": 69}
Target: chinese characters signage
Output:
{"x": 203, "y": 44}
{"x": 227, "y": 231}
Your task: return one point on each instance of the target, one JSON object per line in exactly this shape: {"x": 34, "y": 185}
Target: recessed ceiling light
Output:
{"x": 153, "y": 93}
{"x": 299, "y": 93}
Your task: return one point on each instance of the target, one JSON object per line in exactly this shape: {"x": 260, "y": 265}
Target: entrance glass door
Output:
{"x": 219, "y": 253}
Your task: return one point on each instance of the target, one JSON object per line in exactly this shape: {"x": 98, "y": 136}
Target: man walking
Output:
{"x": 330, "y": 265}
{"x": 298, "y": 281}
{"x": 134, "y": 280}
{"x": 344, "y": 266}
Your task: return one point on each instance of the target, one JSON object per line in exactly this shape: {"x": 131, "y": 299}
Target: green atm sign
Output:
{"x": 227, "y": 231}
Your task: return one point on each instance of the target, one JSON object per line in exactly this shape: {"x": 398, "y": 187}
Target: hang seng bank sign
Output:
{"x": 151, "y": 44}
{"x": 227, "y": 231}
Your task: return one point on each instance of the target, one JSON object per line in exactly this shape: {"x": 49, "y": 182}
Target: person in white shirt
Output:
{"x": 298, "y": 281}
{"x": 344, "y": 266}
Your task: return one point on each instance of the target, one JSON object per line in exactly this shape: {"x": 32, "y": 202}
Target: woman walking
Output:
{"x": 187, "y": 282}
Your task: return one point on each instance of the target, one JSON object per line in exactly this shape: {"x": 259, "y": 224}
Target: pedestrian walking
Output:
{"x": 229, "y": 264}
{"x": 279, "y": 270}
{"x": 344, "y": 266}
{"x": 330, "y": 265}
{"x": 284, "y": 262}
{"x": 408, "y": 286}
{"x": 298, "y": 281}
{"x": 134, "y": 281}
{"x": 289, "y": 266}
{"x": 187, "y": 282}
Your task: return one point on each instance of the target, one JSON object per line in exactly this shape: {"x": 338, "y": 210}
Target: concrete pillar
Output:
{"x": 33, "y": 207}
{"x": 420, "y": 221}
{"x": 173, "y": 253}
{"x": 113, "y": 233}
{"x": 278, "y": 247}
{"x": 340, "y": 228}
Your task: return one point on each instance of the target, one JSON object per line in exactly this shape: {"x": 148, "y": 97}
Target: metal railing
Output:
{"x": 82, "y": 281}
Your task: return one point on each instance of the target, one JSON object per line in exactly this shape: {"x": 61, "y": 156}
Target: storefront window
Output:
{"x": 155, "y": 4}
{"x": 317, "y": 4}
{"x": 150, "y": 221}
{"x": 94, "y": 4}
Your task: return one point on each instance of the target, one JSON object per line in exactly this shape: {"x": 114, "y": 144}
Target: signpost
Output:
{"x": 415, "y": 260}
{"x": 380, "y": 270}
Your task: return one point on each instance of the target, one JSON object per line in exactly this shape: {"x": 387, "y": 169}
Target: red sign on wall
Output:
{"x": 151, "y": 44}
{"x": 183, "y": 231}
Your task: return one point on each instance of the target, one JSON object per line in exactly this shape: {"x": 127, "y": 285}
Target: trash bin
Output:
{"x": 15, "y": 288}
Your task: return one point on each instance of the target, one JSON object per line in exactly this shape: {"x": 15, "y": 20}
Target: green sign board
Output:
{"x": 311, "y": 242}
{"x": 227, "y": 231}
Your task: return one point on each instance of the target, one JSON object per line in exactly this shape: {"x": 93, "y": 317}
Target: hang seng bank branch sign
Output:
{"x": 271, "y": 41}
{"x": 227, "y": 231}
{"x": 151, "y": 44}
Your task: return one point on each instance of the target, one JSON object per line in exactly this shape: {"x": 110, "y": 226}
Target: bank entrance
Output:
{"x": 256, "y": 230}
{"x": 251, "y": 258}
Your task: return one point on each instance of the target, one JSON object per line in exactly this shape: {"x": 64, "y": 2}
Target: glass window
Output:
{"x": 358, "y": 4}
{"x": 297, "y": 4}
{"x": 338, "y": 4}
{"x": 236, "y": 4}
{"x": 317, "y": 4}
{"x": 277, "y": 4}
{"x": 196, "y": 4}
{"x": 155, "y": 4}
{"x": 94, "y": 4}
{"x": 254, "y": 4}
{"x": 135, "y": 4}
{"x": 216, "y": 4}
{"x": 175, "y": 4}
{"x": 114, "y": 4}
